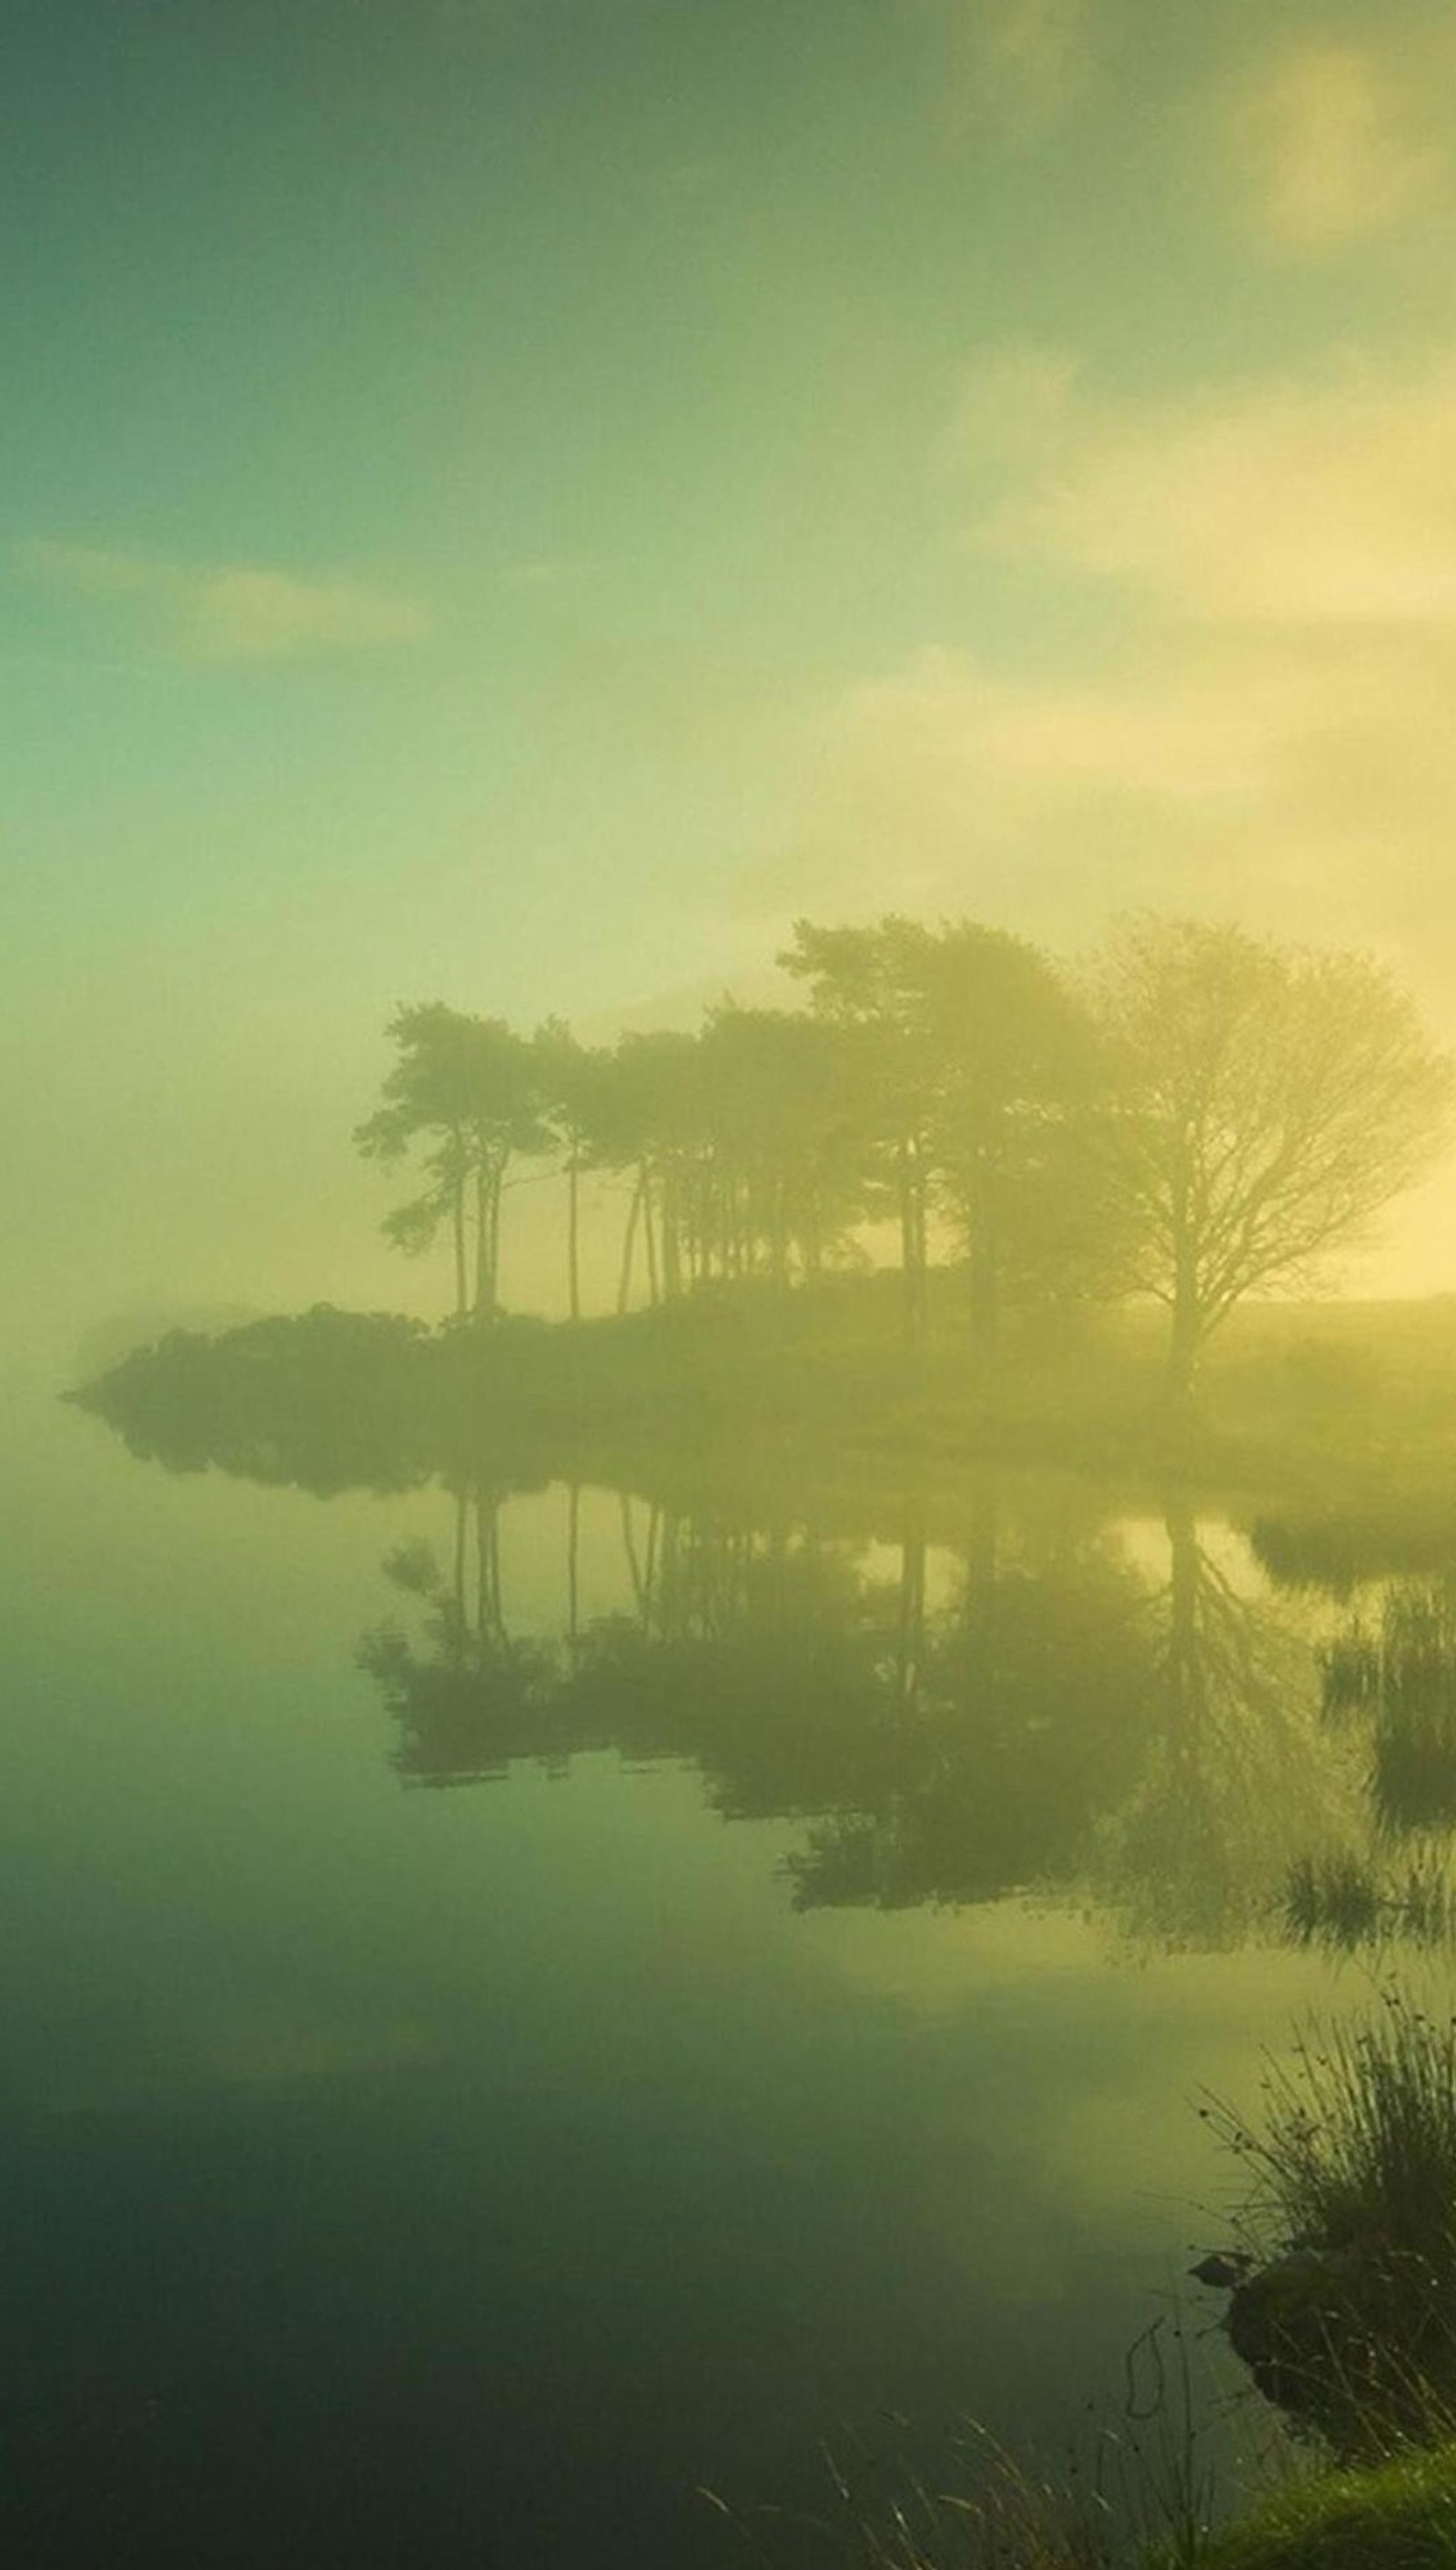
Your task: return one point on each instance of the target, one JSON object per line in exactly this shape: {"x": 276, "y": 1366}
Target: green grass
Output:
{"x": 1401, "y": 2517}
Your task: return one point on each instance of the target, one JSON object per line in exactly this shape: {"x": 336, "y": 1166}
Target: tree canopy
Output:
{"x": 1268, "y": 1102}
{"x": 1198, "y": 1115}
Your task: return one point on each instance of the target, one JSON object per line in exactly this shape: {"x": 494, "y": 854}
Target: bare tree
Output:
{"x": 1272, "y": 1099}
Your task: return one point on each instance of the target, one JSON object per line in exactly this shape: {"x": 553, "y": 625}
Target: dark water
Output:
{"x": 515, "y": 2013}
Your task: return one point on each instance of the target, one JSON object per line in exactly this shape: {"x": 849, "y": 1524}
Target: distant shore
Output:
{"x": 1333, "y": 1405}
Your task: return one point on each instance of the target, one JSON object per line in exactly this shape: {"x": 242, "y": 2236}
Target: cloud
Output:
{"x": 233, "y": 611}
{"x": 1331, "y": 146}
{"x": 1326, "y": 501}
{"x": 1258, "y": 723}
{"x": 267, "y": 616}
{"x": 1308, "y": 794}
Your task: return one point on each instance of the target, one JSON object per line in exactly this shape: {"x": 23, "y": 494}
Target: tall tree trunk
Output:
{"x": 462, "y": 1272}
{"x": 1186, "y": 1333}
{"x": 1183, "y": 1350}
{"x": 909, "y": 1257}
{"x": 923, "y": 1254}
{"x": 484, "y": 1296}
{"x": 985, "y": 1255}
{"x": 628, "y": 1248}
{"x": 489, "y": 1179}
{"x": 573, "y": 1232}
{"x": 672, "y": 1234}
{"x": 1186, "y": 1330}
{"x": 497, "y": 1183}
{"x": 649, "y": 1235}
{"x": 573, "y": 1564}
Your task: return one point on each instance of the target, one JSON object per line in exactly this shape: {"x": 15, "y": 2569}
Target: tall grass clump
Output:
{"x": 1359, "y": 2145}
{"x": 1352, "y": 2315}
{"x": 1134, "y": 2488}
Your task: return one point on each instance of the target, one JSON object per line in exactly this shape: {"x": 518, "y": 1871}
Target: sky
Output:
{"x": 516, "y": 499}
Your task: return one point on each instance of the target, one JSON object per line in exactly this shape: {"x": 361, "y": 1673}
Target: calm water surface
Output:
{"x": 518, "y": 2012}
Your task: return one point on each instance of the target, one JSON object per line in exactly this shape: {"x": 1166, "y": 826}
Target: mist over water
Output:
{"x": 675, "y": 1970}
{"x": 729, "y": 1309}
{"x": 624, "y": 1917}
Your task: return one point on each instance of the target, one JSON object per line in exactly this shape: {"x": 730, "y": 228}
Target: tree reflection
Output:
{"x": 1009, "y": 1692}
{"x": 1028, "y": 1710}
{"x": 461, "y": 1694}
{"x": 1236, "y": 1762}
{"x": 1014, "y": 1726}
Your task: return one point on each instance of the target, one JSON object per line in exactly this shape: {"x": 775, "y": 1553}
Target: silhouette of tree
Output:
{"x": 1016, "y": 1072}
{"x": 781, "y": 1151}
{"x": 468, "y": 1089}
{"x": 865, "y": 980}
{"x": 648, "y": 1119}
{"x": 977, "y": 1064}
{"x": 574, "y": 1083}
{"x": 1271, "y": 1100}
{"x": 325, "y": 1401}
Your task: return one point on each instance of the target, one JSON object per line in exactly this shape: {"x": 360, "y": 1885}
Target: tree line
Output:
{"x": 1193, "y": 1115}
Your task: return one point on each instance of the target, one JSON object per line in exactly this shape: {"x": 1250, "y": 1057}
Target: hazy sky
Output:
{"x": 513, "y": 499}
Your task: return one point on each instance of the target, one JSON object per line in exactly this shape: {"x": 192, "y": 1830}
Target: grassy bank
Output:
{"x": 1353, "y": 2175}
{"x": 1401, "y": 2517}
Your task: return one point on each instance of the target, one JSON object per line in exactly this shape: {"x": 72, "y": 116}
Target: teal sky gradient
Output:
{"x": 493, "y": 509}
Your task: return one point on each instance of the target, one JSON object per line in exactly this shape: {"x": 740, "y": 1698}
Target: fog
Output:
{"x": 727, "y": 1015}
{"x": 991, "y": 464}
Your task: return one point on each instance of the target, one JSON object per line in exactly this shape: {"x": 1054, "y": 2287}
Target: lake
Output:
{"x": 525, "y": 2006}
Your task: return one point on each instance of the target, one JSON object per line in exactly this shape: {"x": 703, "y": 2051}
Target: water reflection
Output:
{"x": 1236, "y": 1764}
{"x": 1388, "y": 1683}
{"x": 975, "y": 1688}
{"x": 1045, "y": 1701}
